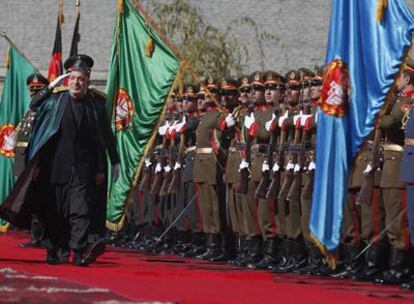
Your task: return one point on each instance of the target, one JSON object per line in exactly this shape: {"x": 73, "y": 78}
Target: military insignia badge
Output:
{"x": 7, "y": 140}
{"x": 124, "y": 110}
{"x": 335, "y": 89}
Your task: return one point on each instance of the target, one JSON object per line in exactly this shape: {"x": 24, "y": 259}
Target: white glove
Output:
{"x": 177, "y": 166}
{"x": 312, "y": 166}
{"x": 297, "y": 168}
{"x": 167, "y": 168}
{"x": 304, "y": 119}
{"x": 276, "y": 167}
{"x": 158, "y": 168}
{"x": 179, "y": 126}
{"x": 270, "y": 122}
{"x": 283, "y": 118}
{"x": 297, "y": 118}
{"x": 249, "y": 120}
{"x": 57, "y": 81}
{"x": 368, "y": 169}
{"x": 147, "y": 162}
{"x": 316, "y": 117}
{"x": 290, "y": 166}
{"x": 243, "y": 165}
{"x": 230, "y": 121}
{"x": 116, "y": 170}
{"x": 163, "y": 129}
{"x": 265, "y": 166}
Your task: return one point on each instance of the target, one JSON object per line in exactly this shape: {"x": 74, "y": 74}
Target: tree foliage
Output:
{"x": 208, "y": 49}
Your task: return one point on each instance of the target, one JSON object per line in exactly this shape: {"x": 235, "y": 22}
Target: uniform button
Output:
{"x": 393, "y": 158}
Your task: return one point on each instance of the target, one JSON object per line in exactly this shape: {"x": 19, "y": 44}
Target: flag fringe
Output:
{"x": 7, "y": 61}
{"x": 4, "y": 228}
{"x": 331, "y": 259}
{"x": 382, "y": 5}
{"x": 117, "y": 226}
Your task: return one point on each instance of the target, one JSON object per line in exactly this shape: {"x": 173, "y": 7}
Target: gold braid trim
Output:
{"x": 382, "y": 5}
{"x": 330, "y": 258}
{"x": 118, "y": 225}
{"x": 4, "y": 228}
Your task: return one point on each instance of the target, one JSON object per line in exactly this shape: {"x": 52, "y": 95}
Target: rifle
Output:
{"x": 146, "y": 178}
{"x": 296, "y": 187}
{"x": 274, "y": 186}
{"x": 365, "y": 193}
{"x": 261, "y": 189}
{"x": 287, "y": 183}
{"x": 160, "y": 159}
{"x": 171, "y": 163}
{"x": 176, "y": 178}
{"x": 243, "y": 184}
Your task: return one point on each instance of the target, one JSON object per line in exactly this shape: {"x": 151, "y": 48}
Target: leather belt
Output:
{"x": 393, "y": 147}
{"x": 204, "y": 150}
{"x": 190, "y": 149}
{"x": 260, "y": 148}
{"x": 22, "y": 144}
{"x": 409, "y": 141}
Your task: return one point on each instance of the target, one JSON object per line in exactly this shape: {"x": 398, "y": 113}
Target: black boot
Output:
{"x": 283, "y": 255}
{"x": 51, "y": 257}
{"x": 208, "y": 249}
{"x": 399, "y": 271}
{"x": 297, "y": 257}
{"x": 352, "y": 264}
{"x": 374, "y": 264}
{"x": 198, "y": 245}
{"x": 245, "y": 245}
{"x": 78, "y": 259}
{"x": 219, "y": 253}
{"x": 238, "y": 249}
{"x": 270, "y": 255}
{"x": 255, "y": 250}
{"x": 316, "y": 265}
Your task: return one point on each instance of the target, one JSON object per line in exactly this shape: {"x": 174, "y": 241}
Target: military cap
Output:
{"x": 244, "y": 83}
{"x": 36, "y": 80}
{"x": 190, "y": 90}
{"x": 273, "y": 79}
{"x": 306, "y": 75}
{"x": 80, "y": 63}
{"x": 211, "y": 84}
{"x": 257, "y": 79}
{"x": 229, "y": 84}
{"x": 409, "y": 66}
{"x": 318, "y": 77}
{"x": 293, "y": 78}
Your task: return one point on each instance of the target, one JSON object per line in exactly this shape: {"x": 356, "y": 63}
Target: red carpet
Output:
{"x": 138, "y": 277}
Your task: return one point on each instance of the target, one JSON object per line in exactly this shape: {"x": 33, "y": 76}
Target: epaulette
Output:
{"x": 60, "y": 89}
{"x": 97, "y": 94}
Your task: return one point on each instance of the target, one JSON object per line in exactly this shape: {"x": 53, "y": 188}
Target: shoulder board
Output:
{"x": 98, "y": 94}
{"x": 60, "y": 89}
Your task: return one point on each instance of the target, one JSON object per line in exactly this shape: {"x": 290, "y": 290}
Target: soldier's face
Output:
{"x": 315, "y": 92}
{"x": 190, "y": 105}
{"x": 293, "y": 96}
{"x": 402, "y": 81}
{"x": 270, "y": 95}
{"x": 244, "y": 97}
{"x": 257, "y": 95}
{"x": 78, "y": 84}
{"x": 306, "y": 93}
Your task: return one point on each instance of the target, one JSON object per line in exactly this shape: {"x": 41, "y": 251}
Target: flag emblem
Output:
{"x": 7, "y": 140}
{"x": 335, "y": 89}
{"x": 124, "y": 110}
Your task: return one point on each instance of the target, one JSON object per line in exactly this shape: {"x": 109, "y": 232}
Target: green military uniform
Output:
{"x": 207, "y": 176}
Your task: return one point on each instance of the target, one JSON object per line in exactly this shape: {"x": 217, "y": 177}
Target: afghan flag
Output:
{"x": 76, "y": 35}
{"x": 55, "y": 64}
{"x": 142, "y": 73}
{"x": 368, "y": 42}
{"x": 14, "y": 103}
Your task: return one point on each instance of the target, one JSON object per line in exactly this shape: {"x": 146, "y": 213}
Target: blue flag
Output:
{"x": 368, "y": 41}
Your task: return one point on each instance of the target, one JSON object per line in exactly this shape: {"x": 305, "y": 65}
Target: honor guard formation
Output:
{"x": 230, "y": 178}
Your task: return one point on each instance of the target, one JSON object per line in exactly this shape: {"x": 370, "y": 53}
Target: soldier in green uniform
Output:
{"x": 265, "y": 140}
{"x": 35, "y": 83}
{"x": 208, "y": 173}
{"x": 295, "y": 253}
{"x": 393, "y": 190}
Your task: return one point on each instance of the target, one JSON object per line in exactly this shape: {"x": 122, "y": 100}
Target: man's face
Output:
{"x": 78, "y": 84}
{"x": 257, "y": 95}
{"x": 229, "y": 98}
{"x": 190, "y": 105}
{"x": 315, "y": 92}
{"x": 270, "y": 95}
{"x": 306, "y": 93}
{"x": 244, "y": 96}
{"x": 402, "y": 81}
{"x": 293, "y": 96}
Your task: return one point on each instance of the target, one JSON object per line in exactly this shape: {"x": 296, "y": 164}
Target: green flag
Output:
{"x": 14, "y": 103}
{"x": 142, "y": 72}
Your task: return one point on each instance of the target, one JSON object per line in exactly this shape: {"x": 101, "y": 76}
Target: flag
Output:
{"x": 76, "y": 35}
{"x": 55, "y": 64}
{"x": 367, "y": 43}
{"x": 142, "y": 72}
{"x": 14, "y": 103}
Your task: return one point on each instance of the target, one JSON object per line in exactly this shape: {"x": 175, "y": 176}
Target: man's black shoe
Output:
{"x": 31, "y": 244}
{"x": 94, "y": 251}
{"x": 52, "y": 258}
{"x": 79, "y": 260}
